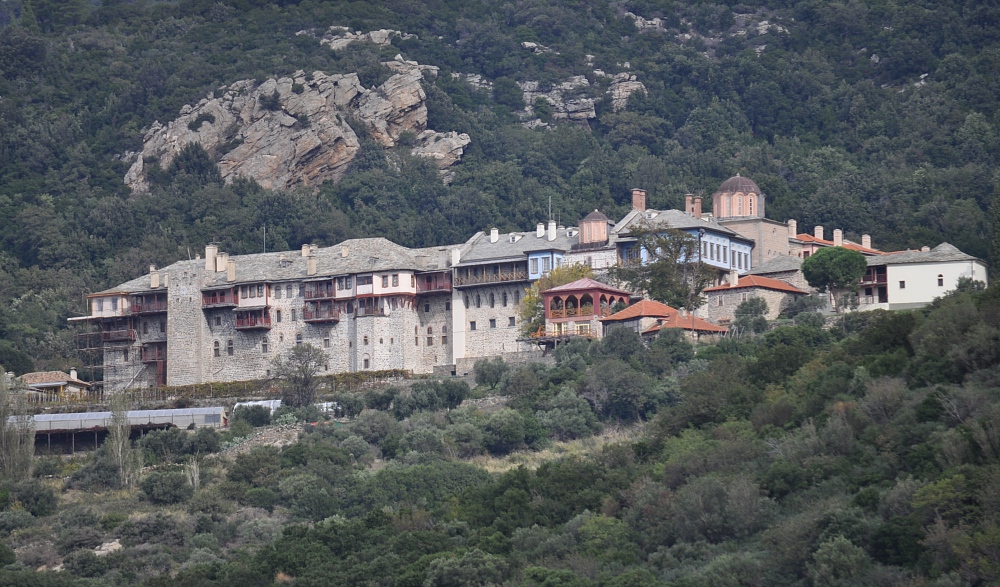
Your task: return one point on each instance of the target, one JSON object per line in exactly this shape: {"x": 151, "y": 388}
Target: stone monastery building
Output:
{"x": 371, "y": 304}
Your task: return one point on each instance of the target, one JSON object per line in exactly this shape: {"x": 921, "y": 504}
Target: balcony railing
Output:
{"x": 219, "y": 300}
{"x": 154, "y": 354}
{"x": 434, "y": 286}
{"x": 878, "y": 278}
{"x": 118, "y": 335}
{"x": 321, "y": 315}
{"x": 156, "y": 307}
{"x": 584, "y": 312}
{"x": 254, "y": 323}
{"x": 320, "y": 294}
{"x": 363, "y": 311}
{"x": 501, "y": 277}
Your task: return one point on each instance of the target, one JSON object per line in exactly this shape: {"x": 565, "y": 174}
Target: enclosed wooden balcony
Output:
{"x": 127, "y": 334}
{"x": 227, "y": 298}
{"x": 148, "y": 305}
{"x": 154, "y": 353}
{"x": 259, "y": 320}
{"x": 321, "y": 315}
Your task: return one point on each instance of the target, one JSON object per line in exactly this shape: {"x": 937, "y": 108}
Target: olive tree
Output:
{"x": 835, "y": 270}
{"x": 297, "y": 372}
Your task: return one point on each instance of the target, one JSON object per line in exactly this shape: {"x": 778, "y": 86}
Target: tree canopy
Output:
{"x": 673, "y": 272}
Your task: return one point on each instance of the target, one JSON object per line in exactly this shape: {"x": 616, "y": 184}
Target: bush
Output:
{"x": 195, "y": 124}
{"x": 15, "y": 520}
{"x": 504, "y": 432}
{"x": 256, "y": 416}
{"x": 167, "y": 488}
{"x": 490, "y": 371}
{"x": 37, "y": 499}
{"x": 6, "y": 556}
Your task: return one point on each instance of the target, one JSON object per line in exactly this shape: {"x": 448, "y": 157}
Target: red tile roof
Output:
{"x": 43, "y": 377}
{"x": 847, "y": 244}
{"x": 586, "y": 284}
{"x": 642, "y": 309}
{"x": 688, "y": 322}
{"x": 757, "y": 281}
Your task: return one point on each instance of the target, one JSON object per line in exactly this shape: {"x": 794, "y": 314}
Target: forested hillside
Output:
{"x": 863, "y": 455}
{"x": 875, "y": 117}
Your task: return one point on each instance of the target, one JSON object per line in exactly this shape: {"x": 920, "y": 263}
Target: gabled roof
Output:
{"x": 479, "y": 247}
{"x": 586, "y": 284}
{"x": 942, "y": 253}
{"x": 642, "y": 309}
{"x": 808, "y": 238}
{"x": 689, "y": 322}
{"x": 757, "y": 281}
{"x": 42, "y": 378}
{"x": 778, "y": 264}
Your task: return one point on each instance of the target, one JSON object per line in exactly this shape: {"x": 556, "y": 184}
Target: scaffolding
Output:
{"x": 98, "y": 340}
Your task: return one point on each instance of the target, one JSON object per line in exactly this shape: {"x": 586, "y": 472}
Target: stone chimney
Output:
{"x": 552, "y": 230}
{"x": 838, "y": 238}
{"x": 305, "y": 250}
{"x": 166, "y": 279}
{"x": 866, "y": 241}
{"x": 221, "y": 262}
{"x": 344, "y": 251}
{"x": 72, "y": 373}
{"x": 793, "y": 229}
{"x": 818, "y": 232}
{"x": 734, "y": 278}
{"x": 313, "y": 249}
{"x": 494, "y": 235}
{"x": 697, "y": 207}
{"x": 456, "y": 256}
{"x": 639, "y": 199}
{"x": 210, "y": 252}
{"x": 540, "y": 230}
{"x": 311, "y": 262}
{"x": 925, "y": 249}
{"x": 689, "y": 203}
{"x": 230, "y": 270}
{"x": 154, "y": 277}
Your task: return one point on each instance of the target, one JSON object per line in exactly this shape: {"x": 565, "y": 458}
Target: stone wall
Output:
{"x": 186, "y": 329}
{"x": 770, "y": 237}
{"x": 721, "y": 305}
{"x": 489, "y": 339}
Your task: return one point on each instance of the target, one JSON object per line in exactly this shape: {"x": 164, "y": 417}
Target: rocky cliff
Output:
{"x": 295, "y": 131}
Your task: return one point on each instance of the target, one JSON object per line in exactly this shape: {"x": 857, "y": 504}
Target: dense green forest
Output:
{"x": 862, "y": 454}
{"x": 875, "y": 117}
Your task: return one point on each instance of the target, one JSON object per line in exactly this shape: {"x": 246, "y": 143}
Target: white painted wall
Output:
{"x": 922, "y": 280}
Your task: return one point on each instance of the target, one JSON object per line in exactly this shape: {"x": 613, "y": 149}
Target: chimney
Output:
{"x": 210, "y": 252}
{"x": 838, "y": 238}
{"x": 221, "y": 262}
{"x": 72, "y": 373}
{"x": 313, "y": 249}
{"x": 305, "y": 250}
{"x": 166, "y": 279}
{"x": 818, "y": 232}
{"x": 697, "y": 207}
{"x": 230, "y": 270}
{"x": 793, "y": 229}
{"x": 281, "y": 259}
{"x": 311, "y": 261}
{"x": 344, "y": 251}
{"x": 689, "y": 203}
{"x": 540, "y": 230}
{"x": 456, "y": 256}
{"x": 925, "y": 249}
{"x": 734, "y": 278}
{"x": 494, "y": 235}
{"x": 638, "y": 200}
{"x": 866, "y": 241}
{"x": 154, "y": 277}
{"x": 552, "y": 230}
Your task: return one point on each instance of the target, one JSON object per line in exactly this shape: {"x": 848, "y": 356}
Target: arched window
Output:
{"x": 479, "y": 301}
{"x": 750, "y": 206}
{"x": 430, "y": 330}
{"x": 277, "y": 315}
{"x": 230, "y": 347}
{"x": 940, "y": 280}
{"x": 739, "y": 205}
{"x": 504, "y": 299}
{"x": 263, "y": 344}
{"x": 492, "y": 301}
{"x": 298, "y": 339}
{"x": 215, "y": 348}
{"x": 416, "y": 331}
{"x": 366, "y": 340}
{"x": 517, "y": 298}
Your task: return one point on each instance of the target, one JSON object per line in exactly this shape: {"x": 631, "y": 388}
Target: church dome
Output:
{"x": 738, "y": 184}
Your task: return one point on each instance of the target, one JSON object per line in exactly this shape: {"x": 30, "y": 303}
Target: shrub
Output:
{"x": 197, "y": 122}
{"x": 256, "y": 416}
{"x": 166, "y": 488}
{"x": 84, "y": 563}
{"x": 490, "y": 371}
{"x": 36, "y": 498}
{"x": 6, "y": 556}
{"x": 15, "y": 520}
{"x": 504, "y": 432}
{"x": 270, "y": 102}
{"x": 260, "y": 497}
{"x": 159, "y": 528}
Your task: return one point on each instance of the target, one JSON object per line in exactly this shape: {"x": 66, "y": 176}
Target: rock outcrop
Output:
{"x": 622, "y": 86}
{"x": 339, "y": 37}
{"x": 565, "y": 99}
{"x": 294, "y": 131}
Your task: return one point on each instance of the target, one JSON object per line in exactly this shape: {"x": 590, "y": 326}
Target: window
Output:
{"x": 294, "y": 317}
{"x": 288, "y": 291}
{"x": 534, "y": 265}
{"x": 385, "y": 281}
{"x": 348, "y": 282}
{"x": 364, "y": 280}
{"x": 466, "y": 301}
{"x": 114, "y": 303}
{"x": 704, "y": 249}
{"x": 517, "y": 298}
{"x": 277, "y": 315}
{"x": 902, "y": 285}
{"x": 493, "y": 322}
{"x": 145, "y": 327}
{"x": 365, "y": 339}
{"x": 444, "y": 328}
{"x": 447, "y": 306}
{"x": 510, "y": 321}
{"x": 263, "y": 345}
{"x": 246, "y": 293}
{"x": 215, "y": 349}
{"x": 430, "y": 341}
{"x": 392, "y": 340}
{"x": 277, "y": 292}
{"x": 430, "y": 330}
{"x": 427, "y": 307}
{"x": 472, "y": 325}
{"x": 444, "y": 340}
{"x": 719, "y": 300}
{"x": 298, "y": 339}
{"x": 492, "y": 301}
{"x": 583, "y": 329}
{"x": 725, "y": 254}
{"x": 395, "y": 280}
{"x": 504, "y": 299}
{"x": 746, "y": 260}
{"x": 940, "y": 280}
{"x": 230, "y": 347}
{"x": 367, "y": 363}
{"x": 125, "y": 355}
{"x": 302, "y": 291}
{"x": 416, "y": 341}
{"x": 326, "y": 343}
{"x": 100, "y": 304}
{"x": 546, "y": 264}
{"x": 163, "y": 326}
{"x": 260, "y": 290}
{"x": 380, "y": 341}
{"x": 281, "y": 337}
{"x": 413, "y": 281}
{"x": 479, "y": 301}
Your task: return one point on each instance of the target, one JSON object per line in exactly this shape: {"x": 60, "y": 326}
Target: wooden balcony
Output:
{"x": 322, "y": 315}
{"x": 118, "y": 335}
{"x": 362, "y": 311}
{"x": 222, "y": 299}
{"x": 584, "y": 312}
{"x": 320, "y": 294}
{"x": 153, "y": 354}
{"x": 157, "y": 307}
{"x": 438, "y": 285}
{"x": 253, "y": 322}
{"x": 488, "y": 278}
{"x": 874, "y": 279}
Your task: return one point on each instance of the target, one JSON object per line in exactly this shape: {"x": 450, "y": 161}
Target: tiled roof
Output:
{"x": 942, "y": 253}
{"x": 757, "y": 281}
{"x": 779, "y": 264}
{"x": 808, "y": 238}
{"x": 738, "y": 184}
{"x": 586, "y": 284}
{"x": 671, "y": 219}
{"x": 689, "y": 322}
{"x": 595, "y": 216}
{"x": 479, "y": 247}
{"x": 642, "y": 309}
{"x": 42, "y": 377}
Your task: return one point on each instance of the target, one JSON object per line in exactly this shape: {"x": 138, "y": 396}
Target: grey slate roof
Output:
{"x": 779, "y": 264}
{"x": 671, "y": 219}
{"x": 942, "y": 253}
{"x": 480, "y": 249}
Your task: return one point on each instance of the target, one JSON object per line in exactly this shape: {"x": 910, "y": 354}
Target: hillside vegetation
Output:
{"x": 863, "y": 455}
{"x": 875, "y": 117}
